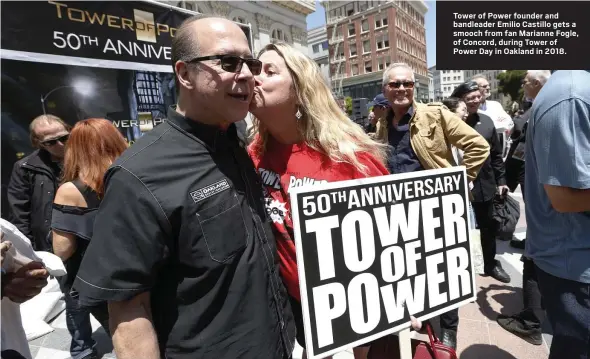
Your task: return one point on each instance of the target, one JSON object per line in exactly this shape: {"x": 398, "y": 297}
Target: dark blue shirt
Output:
{"x": 401, "y": 158}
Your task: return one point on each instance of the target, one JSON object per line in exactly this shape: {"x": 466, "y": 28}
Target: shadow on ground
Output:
{"x": 485, "y": 351}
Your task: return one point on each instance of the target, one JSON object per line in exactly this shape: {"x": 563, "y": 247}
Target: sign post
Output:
{"x": 371, "y": 252}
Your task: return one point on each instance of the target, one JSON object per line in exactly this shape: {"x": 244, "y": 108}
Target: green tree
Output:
{"x": 348, "y": 104}
{"x": 510, "y": 83}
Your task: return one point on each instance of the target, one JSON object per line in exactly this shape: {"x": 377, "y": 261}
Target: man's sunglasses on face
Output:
{"x": 232, "y": 63}
{"x": 52, "y": 142}
{"x": 398, "y": 84}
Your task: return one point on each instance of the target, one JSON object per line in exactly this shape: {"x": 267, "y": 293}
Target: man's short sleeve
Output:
{"x": 561, "y": 143}
{"x": 128, "y": 243}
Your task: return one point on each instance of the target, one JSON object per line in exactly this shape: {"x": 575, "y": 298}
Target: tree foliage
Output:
{"x": 348, "y": 104}
{"x": 510, "y": 83}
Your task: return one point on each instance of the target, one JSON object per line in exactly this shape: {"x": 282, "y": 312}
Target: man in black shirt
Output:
{"x": 490, "y": 180}
{"x": 182, "y": 247}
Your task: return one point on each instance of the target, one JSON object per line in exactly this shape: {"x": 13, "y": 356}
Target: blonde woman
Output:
{"x": 300, "y": 136}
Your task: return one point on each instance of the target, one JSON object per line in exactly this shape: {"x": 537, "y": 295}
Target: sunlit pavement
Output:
{"x": 479, "y": 336}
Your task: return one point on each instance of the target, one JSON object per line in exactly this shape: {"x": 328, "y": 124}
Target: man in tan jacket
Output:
{"x": 421, "y": 135}
{"x": 420, "y": 138}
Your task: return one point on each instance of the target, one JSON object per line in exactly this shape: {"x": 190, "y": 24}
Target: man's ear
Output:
{"x": 182, "y": 74}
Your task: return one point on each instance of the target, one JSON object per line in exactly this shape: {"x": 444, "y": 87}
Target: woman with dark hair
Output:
{"x": 92, "y": 147}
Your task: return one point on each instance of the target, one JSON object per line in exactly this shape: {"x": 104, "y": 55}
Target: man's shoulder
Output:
{"x": 486, "y": 120}
{"x": 494, "y": 104}
{"x": 31, "y": 157}
{"x": 430, "y": 109}
{"x": 563, "y": 86}
{"x": 141, "y": 152}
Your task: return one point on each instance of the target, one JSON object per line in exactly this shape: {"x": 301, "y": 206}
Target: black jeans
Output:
{"x": 488, "y": 229}
{"x": 533, "y": 314}
{"x": 79, "y": 326}
{"x": 568, "y": 309}
{"x": 450, "y": 320}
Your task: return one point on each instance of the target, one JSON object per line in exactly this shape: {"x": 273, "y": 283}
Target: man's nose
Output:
{"x": 245, "y": 72}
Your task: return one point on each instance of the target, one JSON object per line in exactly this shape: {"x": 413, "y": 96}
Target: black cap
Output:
{"x": 465, "y": 88}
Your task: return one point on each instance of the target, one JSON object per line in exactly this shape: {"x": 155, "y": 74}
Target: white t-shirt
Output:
{"x": 496, "y": 112}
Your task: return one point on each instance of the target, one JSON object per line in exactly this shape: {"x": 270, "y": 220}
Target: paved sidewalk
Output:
{"x": 479, "y": 336}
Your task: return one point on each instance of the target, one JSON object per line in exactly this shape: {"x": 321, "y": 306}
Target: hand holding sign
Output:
{"x": 366, "y": 247}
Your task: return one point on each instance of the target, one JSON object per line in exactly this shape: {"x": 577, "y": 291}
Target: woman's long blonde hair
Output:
{"x": 323, "y": 126}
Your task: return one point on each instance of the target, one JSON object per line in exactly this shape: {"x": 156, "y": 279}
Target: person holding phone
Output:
{"x": 490, "y": 181}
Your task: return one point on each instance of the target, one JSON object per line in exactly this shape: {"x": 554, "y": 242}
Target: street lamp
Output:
{"x": 81, "y": 85}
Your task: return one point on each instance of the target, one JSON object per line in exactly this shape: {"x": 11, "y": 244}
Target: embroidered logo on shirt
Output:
{"x": 209, "y": 190}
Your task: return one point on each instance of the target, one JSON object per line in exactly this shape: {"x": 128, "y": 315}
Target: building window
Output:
{"x": 368, "y": 67}
{"x": 383, "y": 42}
{"x": 187, "y": 5}
{"x": 279, "y": 35}
{"x": 325, "y": 45}
{"x": 383, "y": 62}
{"x": 380, "y": 20}
{"x": 352, "y": 50}
{"x": 366, "y": 46}
{"x": 351, "y": 29}
{"x": 316, "y": 48}
{"x": 365, "y": 26}
{"x": 363, "y": 5}
{"x": 349, "y": 9}
{"x": 355, "y": 69}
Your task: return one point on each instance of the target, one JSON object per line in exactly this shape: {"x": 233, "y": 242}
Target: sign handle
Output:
{"x": 405, "y": 344}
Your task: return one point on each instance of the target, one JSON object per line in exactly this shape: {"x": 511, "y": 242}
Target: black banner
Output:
{"x": 372, "y": 252}
{"x": 493, "y": 35}
{"x": 78, "y": 60}
{"x": 129, "y": 31}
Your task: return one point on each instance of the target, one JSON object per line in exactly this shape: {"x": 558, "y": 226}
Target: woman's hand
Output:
{"x": 416, "y": 324}
{"x": 26, "y": 283}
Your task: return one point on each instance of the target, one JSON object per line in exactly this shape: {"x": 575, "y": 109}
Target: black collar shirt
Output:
{"x": 183, "y": 217}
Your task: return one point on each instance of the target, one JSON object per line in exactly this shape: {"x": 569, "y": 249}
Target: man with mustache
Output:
{"x": 182, "y": 248}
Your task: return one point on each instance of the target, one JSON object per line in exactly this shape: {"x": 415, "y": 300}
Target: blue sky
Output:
{"x": 318, "y": 18}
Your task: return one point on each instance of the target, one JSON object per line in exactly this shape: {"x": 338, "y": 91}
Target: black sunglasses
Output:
{"x": 233, "y": 63}
{"x": 396, "y": 85}
{"x": 62, "y": 139}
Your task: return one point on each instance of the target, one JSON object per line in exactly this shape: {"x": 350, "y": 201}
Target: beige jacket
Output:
{"x": 433, "y": 130}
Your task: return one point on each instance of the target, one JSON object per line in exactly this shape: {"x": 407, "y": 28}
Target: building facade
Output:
{"x": 445, "y": 81}
{"x": 317, "y": 47}
{"x": 269, "y": 20}
{"x": 367, "y": 36}
{"x": 430, "y": 86}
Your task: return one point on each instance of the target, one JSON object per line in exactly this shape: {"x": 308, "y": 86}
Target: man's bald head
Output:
{"x": 208, "y": 90}
{"x": 187, "y": 43}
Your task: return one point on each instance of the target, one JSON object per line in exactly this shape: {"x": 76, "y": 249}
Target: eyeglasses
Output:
{"x": 398, "y": 84}
{"x": 52, "y": 142}
{"x": 233, "y": 63}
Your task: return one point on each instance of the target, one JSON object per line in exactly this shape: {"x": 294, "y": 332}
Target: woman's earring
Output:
{"x": 298, "y": 114}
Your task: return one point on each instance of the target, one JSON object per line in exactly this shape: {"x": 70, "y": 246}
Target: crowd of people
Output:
{"x": 169, "y": 243}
